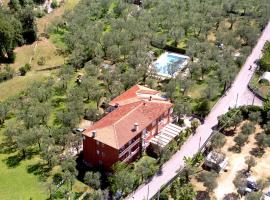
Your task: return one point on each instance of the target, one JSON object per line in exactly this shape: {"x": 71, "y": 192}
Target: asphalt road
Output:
{"x": 238, "y": 95}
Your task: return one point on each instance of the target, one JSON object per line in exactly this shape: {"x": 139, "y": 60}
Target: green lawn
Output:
{"x": 14, "y": 86}
{"x": 260, "y": 88}
{"x": 16, "y": 183}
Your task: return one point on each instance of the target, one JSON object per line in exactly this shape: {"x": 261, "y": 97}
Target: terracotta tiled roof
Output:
{"x": 132, "y": 95}
{"x": 116, "y": 128}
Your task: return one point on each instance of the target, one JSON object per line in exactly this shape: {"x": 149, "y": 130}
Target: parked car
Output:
{"x": 251, "y": 183}
{"x": 266, "y": 195}
{"x": 244, "y": 190}
{"x": 78, "y": 130}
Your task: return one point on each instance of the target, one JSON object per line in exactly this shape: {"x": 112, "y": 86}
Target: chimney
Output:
{"x": 136, "y": 126}
{"x": 150, "y": 98}
{"x": 94, "y": 134}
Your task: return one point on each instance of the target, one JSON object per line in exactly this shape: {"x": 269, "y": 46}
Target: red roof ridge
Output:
{"x": 124, "y": 116}
{"x": 115, "y": 136}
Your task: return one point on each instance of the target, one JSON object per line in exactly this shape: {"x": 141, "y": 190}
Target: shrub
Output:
{"x": 257, "y": 152}
{"x": 57, "y": 178}
{"x": 248, "y": 128}
{"x": 165, "y": 194}
{"x": 39, "y": 13}
{"x": 7, "y": 73}
{"x": 218, "y": 140}
{"x": 263, "y": 140}
{"x": 250, "y": 162}
{"x": 253, "y": 195}
{"x": 11, "y": 57}
{"x": 41, "y": 61}
{"x": 24, "y": 69}
{"x": 203, "y": 195}
{"x": 231, "y": 196}
{"x": 54, "y": 4}
{"x": 208, "y": 179}
{"x": 240, "y": 181}
{"x": 255, "y": 116}
{"x": 241, "y": 139}
{"x": 92, "y": 179}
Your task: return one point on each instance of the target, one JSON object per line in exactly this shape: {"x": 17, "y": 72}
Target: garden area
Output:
{"x": 258, "y": 83}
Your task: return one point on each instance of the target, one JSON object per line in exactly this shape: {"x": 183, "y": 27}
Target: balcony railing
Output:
{"x": 129, "y": 147}
{"x": 132, "y": 154}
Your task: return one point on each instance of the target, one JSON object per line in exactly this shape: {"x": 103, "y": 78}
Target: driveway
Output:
{"x": 238, "y": 95}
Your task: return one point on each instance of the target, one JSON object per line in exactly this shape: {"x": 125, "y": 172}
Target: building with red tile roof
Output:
{"x": 136, "y": 93}
{"x": 123, "y": 133}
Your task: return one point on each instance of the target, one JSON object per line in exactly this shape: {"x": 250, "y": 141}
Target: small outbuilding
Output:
{"x": 216, "y": 161}
{"x": 265, "y": 77}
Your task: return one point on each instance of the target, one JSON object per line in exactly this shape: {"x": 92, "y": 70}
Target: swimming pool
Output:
{"x": 168, "y": 64}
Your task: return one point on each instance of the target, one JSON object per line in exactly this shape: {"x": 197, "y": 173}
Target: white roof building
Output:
{"x": 265, "y": 76}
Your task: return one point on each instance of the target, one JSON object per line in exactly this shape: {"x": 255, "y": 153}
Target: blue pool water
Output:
{"x": 168, "y": 63}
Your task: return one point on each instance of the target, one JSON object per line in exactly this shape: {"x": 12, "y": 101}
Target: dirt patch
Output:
{"x": 236, "y": 162}
{"x": 198, "y": 186}
{"x": 262, "y": 169}
{"x": 34, "y": 52}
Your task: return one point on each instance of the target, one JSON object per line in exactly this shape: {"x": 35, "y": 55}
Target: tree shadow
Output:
{"x": 39, "y": 169}
{"x": 13, "y": 161}
{"x": 235, "y": 149}
{"x": 230, "y": 132}
{"x": 31, "y": 152}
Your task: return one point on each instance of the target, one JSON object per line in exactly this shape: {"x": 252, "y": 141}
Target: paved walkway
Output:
{"x": 236, "y": 96}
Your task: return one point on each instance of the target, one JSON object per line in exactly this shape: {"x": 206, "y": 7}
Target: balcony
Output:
{"x": 131, "y": 155}
{"x": 129, "y": 147}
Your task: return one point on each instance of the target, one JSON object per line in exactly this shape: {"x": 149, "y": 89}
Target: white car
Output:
{"x": 266, "y": 196}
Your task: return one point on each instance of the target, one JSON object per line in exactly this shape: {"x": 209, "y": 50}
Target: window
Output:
{"x": 103, "y": 154}
{"x": 98, "y": 152}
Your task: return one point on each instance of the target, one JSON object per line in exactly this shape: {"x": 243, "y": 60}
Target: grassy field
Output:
{"x": 44, "y": 48}
{"x": 19, "y": 83}
{"x": 20, "y": 182}
{"x": 262, "y": 89}
{"x": 17, "y": 183}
